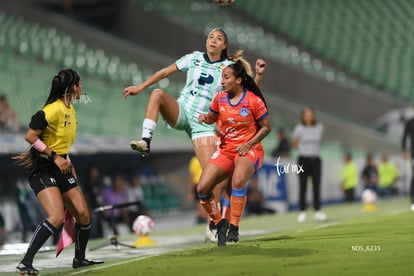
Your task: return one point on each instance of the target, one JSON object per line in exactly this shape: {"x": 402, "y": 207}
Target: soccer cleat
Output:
{"x": 211, "y": 232}
{"x": 320, "y": 216}
{"x": 23, "y": 269}
{"x": 142, "y": 146}
{"x": 222, "y": 228}
{"x": 233, "y": 235}
{"x": 302, "y": 217}
{"x": 80, "y": 263}
{"x": 412, "y": 207}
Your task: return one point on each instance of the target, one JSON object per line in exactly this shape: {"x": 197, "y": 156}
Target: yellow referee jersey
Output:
{"x": 60, "y": 132}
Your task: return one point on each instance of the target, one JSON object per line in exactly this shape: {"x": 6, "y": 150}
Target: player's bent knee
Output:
{"x": 157, "y": 93}
{"x": 238, "y": 183}
{"x": 204, "y": 195}
{"x": 56, "y": 221}
{"x": 84, "y": 218}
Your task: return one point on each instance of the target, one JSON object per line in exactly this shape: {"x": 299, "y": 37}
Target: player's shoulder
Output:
{"x": 57, "y": 107}
{"x": 253, "y": 97}
{"x": 221, "y": 95}
{"x": 52, "y": 107}
{"x": 196, "y": 54}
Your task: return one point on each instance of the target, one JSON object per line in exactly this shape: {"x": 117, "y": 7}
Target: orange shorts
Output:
{"x": 227, "y": 159}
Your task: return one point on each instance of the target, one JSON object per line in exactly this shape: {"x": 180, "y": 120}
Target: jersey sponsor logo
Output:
{"x": 244, "y": 112}
{"x": 205, "y": 79}
{"x": 195, "y": 93}
{"x": 231, "y": 120}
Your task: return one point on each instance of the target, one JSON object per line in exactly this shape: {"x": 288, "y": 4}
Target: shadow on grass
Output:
{"x": 270, "y": 239}
{"x": 268, "y": 246}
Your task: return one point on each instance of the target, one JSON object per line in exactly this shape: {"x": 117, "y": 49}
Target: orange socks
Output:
{"x": 212, "y": 208}
{"x": 237, "y": 208}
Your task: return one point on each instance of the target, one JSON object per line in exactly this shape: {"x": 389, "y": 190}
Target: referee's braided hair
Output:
{"x": 62, "y": 84}
{"x": 247, "y": 81}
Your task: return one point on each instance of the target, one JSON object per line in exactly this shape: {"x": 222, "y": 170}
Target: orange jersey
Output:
{"x": 239, "y": 122}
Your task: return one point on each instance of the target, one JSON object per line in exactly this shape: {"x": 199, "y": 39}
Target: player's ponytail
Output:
{"x": 247, "y": 81}
{"x": 237, "y": 56}
{"x": 62, "y": 84}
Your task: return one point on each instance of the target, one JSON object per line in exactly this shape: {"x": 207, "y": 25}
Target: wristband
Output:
{"x": 39, "y": 145}
{"x": 52, "y": 155}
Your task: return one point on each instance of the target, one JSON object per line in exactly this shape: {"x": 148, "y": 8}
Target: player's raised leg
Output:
{"x": 159, "y": 102}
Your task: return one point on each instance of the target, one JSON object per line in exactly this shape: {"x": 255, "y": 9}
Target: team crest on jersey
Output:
{"x": 244, "y": 112}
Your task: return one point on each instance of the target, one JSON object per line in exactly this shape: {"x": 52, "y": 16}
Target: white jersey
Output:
{"x": 203, "y": 81}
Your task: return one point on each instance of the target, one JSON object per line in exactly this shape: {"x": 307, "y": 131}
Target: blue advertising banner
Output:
{"x": 272, "y": 183}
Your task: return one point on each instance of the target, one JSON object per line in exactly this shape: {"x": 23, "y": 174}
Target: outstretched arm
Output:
{"x": 156, "y": 77}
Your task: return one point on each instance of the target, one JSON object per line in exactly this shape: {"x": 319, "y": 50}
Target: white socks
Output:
{"x": 148, "y": 128}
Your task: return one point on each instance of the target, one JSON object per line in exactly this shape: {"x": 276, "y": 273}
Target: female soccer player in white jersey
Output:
{"x": 202, "y": 84}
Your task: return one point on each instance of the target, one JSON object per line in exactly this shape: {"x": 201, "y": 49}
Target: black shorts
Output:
{"x": 47, "y": 175}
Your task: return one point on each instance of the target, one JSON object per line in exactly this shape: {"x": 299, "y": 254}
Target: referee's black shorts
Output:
{"x": 47, "y": 174}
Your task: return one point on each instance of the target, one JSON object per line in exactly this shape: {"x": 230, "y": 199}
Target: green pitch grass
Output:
{"x": 350, "y": 242}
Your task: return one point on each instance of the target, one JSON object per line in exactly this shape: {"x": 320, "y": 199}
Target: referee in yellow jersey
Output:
{"x": 51, "y": 133}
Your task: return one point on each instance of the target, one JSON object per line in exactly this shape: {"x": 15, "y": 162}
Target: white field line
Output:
{"x": 103, "y": 266}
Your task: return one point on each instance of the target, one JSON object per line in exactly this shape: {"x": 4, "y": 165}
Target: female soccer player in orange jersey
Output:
{"x": 244, "y": 122}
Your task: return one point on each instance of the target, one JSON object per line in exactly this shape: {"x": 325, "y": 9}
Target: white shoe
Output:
{"x": 412, "y": 207}
{"x": 302, "y": 217}
{"x": 320, "y": 216}
{"x": 211, "y": 232}
{"x": 141, "y": 146}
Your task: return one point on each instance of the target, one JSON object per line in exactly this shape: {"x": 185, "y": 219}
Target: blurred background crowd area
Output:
{"x": 350, "y": 60}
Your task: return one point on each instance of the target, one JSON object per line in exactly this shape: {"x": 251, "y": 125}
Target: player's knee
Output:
{"x": 157, "y": 94}
{"x": 202, "y": 192}
{"x": 238, "y": 183}
{"x": 84, "y": 217}
{"x": 56, "y": 220}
